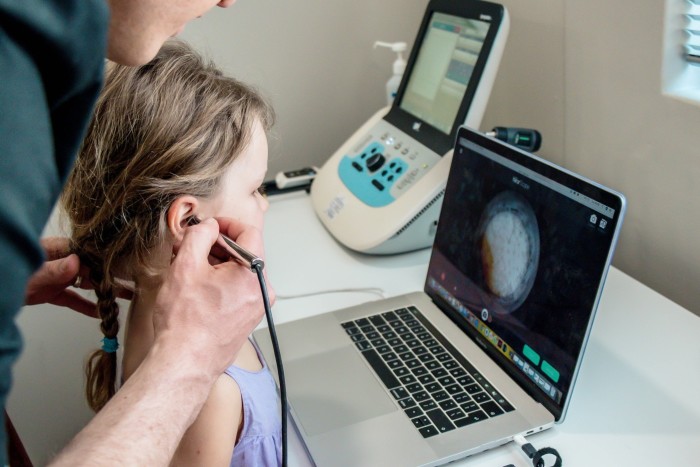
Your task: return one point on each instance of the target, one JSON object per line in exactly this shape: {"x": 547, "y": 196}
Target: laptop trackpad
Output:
{"x": 334, "y": 389}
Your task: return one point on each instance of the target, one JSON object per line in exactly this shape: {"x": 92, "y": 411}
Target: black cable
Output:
{"x": 537, "y": 455}
{"x": 276, "y": 348}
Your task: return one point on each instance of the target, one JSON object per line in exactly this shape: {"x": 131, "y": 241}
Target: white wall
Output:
{"x": 585, "y": 73}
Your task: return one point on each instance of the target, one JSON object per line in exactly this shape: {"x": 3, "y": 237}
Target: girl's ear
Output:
{"x": 179, "y": 213}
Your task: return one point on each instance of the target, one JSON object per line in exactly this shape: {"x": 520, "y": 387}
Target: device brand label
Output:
{"x": 406, "y": 181}
{"x": 335, "y": 206}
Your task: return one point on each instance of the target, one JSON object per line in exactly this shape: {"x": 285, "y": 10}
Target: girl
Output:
{"x": 170, "y": 140}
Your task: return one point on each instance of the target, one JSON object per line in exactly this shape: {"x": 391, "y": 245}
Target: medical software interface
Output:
{"x": 519, "y": 261}
{"x": 443, "y": 68}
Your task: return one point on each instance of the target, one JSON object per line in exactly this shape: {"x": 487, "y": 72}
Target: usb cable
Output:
{"x": 536, "y": 455}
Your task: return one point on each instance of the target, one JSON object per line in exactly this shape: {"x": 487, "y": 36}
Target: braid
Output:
{"x": 101, "y": 367}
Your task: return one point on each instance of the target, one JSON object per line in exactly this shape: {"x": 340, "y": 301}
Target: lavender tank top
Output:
{"x": 260, "y": 443}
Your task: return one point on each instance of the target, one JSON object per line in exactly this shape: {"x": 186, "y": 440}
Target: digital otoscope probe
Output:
{"x": 232, "y": 249}
{"x": 225, "y": 248}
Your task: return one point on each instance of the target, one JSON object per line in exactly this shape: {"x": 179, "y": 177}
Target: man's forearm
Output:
{"x": 144, "y": 422}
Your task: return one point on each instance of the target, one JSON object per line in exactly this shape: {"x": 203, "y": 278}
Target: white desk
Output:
{"x": 637, "y": 398}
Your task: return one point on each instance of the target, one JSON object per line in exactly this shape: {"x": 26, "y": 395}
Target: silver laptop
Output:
{"x": 489, "y": 349}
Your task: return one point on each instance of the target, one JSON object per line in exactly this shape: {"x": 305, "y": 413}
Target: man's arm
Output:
{"x": 203, "y": 316}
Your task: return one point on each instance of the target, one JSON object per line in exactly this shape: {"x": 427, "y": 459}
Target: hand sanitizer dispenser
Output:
{"x": 392, "y": 85}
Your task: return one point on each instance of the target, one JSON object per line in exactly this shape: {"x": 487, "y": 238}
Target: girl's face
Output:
{"x": 239, "y": 197}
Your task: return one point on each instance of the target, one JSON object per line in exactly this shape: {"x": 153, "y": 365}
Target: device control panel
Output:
{"x": 385, "y": 164}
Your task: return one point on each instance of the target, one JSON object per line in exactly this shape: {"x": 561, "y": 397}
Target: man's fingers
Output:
{"x": 76, "y": 302}
{"x": 55, "y": 247}
{"x": 197, "y": 241}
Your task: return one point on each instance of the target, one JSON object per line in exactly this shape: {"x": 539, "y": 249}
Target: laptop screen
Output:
{"x": 519, "y": 259}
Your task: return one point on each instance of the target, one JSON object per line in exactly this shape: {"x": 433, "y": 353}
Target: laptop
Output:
{"x": 492, "y": 345}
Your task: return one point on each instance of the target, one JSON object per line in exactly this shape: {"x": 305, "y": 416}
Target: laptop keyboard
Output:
{"x": 437, "y": 388}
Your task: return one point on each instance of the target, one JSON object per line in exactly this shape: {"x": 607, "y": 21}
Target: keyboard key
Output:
{"x": 481, "y": 397}
{"x": 362, "y": 322}
{"x": 378, "y": 365}
{"x": 472, "y": 388}
{"x": 448, "y": 404}
{"x": 400, "y": 348}
{"x": 420, "y": 350}
{"x": 352, "y": 330}
{"x": 393, "y": 342}
{"x": 446, "y": 380}
{"x": 453, "y": 388}
{"x": 469, "y": 406}
{"x": 461, "y": 397}
{"x": 372, "y": 335}
{"x": 428, "y": 431}
{"x": 363, "y": 345}
{"x": 413, "y": 343}
{"x": 428, "y": 404}
{"x": 399, "y": 393}
{"x": 390, "y": 316}
{"x": 348, "y": 324}
{"x": 407, "y": 402}
{"x": 491, "y": 408}
{"x": 441, "y": 421}
{"x": 408, "y": 379}
{"x": 477, "y": 416}
{"x": 418, "y": 370}
{"x": 432, "y": 387}
{"x": 389, "y": 356}
{"x": 439, "y": 372}
{"x": 465, "y": 380}
{"x": 383, "y": 349}
{"x": 414, "y": 387}
{"x": 401, "y": 371}
{"x": 455, "y": 414}
{"x": 436, "y": 350}
{"x": 385, "y": 329}
{"x": 426, "y": 379}
{"x": 440, "y": 396}
{"x": 421, "y": 421}
{"x": 395, "y": 364}
{"x": 378, "y": 342}
{"x": 412, "y": 322}
{"x": 421, "y": 396}
{"x": 430, "y": 342}
{"x": 443, "y": 357}
{"x": 357, "y": 337}
{"x": 426, "y": 357}
{"x": 377, "y": 320}
{"x": 413, "y": 411}
{"x": 433, "y": 365}
{"x": 406, "y": 355}
{"x": 457, "y": 371}
{"x": 413, "y": 364}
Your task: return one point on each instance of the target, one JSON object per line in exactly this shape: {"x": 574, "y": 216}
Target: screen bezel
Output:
{"x": 428, "y": 135}
{"x": 607, "y": 197}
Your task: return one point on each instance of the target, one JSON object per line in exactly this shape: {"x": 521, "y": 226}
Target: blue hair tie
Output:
{"x": 110, "y": 345}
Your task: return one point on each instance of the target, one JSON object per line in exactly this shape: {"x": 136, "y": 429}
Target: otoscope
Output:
{"x": 226, "y": 248}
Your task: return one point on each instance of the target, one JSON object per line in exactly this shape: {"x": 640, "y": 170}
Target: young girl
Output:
{"x": 170, "y": 140}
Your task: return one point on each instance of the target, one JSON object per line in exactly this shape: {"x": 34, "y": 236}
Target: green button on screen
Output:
{"x": 550, "y": 371}
{"x": 531, "y": 354}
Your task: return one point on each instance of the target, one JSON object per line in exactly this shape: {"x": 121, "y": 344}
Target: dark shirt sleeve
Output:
{"x": 51, "y": 65}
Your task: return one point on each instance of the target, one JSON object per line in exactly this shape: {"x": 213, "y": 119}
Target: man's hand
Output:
{"x": 208, "y": 311}
{"x": 61, "y": 270}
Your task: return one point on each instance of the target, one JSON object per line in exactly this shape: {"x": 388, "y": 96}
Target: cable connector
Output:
{"x": 537, "y": 455}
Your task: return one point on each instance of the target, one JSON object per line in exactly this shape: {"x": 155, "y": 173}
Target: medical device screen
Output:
{"x": 443, "y": 68}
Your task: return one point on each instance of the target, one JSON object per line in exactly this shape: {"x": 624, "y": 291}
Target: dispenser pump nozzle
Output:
{"x": 398, "y": 47}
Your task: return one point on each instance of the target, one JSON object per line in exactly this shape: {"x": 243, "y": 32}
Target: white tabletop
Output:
{"x": 637, "y": 397}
